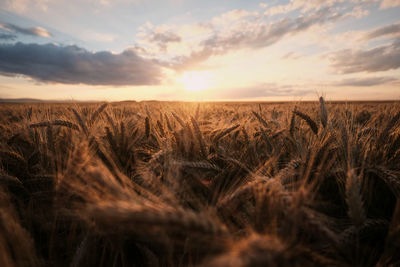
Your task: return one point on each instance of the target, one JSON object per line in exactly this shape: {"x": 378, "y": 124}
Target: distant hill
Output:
{"x": 20, "y": 100}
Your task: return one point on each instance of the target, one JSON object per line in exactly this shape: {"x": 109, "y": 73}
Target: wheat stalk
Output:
{"x": 323, "y": 112}
{"x": 354, "y": 199}
{"x": 260, "y": 119}
{"x": 179, "y": 120}
{"x": 80, "y": 121}
{"x": 131, "y": 217}
{"x": 96, "y": 114}
{"x": 307, "y": 119}
{"x": 199, "y": 137}
{"x": 147, "y": 127}
{"x": 64, "y": 123}
{"x": 225, "y": 132}
{"x": 40, "y": 124}
{"x": 197, "y": 164}
{"x": 292, "y": 123}
{"x": 388, "y": 128}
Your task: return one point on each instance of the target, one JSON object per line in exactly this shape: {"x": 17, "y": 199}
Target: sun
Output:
{"x": 195, "y": 81}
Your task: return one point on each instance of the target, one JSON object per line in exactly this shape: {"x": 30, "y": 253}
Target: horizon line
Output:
{"x": 67, "y": 101}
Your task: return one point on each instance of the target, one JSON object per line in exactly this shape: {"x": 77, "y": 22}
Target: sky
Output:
{"x": 200, "y": 50}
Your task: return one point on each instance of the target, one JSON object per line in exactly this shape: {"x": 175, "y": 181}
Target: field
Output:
{"x": 200, "y": 184}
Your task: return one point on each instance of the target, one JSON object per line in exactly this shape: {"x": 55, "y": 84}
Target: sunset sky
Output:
{"x": 200, "y": 50}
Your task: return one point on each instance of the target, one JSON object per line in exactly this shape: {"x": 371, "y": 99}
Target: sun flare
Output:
{"x": 195, "y": 81}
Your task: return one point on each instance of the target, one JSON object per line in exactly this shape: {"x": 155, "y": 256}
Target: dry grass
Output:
{"x": 200, "y": 184}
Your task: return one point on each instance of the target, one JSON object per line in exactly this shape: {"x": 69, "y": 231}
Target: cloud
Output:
{"x": 291, "y": 55}
{"x": 163, "y": 38}
{"x": 7, "y": 36}
{"x": 262, "y": 90}
{"x": 186, "y": 47}
{"x": 389, "y": 4}
{"x": 25, "y": 6}
{"x": 99, "y": 37}
{"x": 250, "y": 34}
{"x": 33, "y": 31}
{"x": 381, "y": 58}
{"x": 358, "y": 12}
{"x": 365, "y": 82}
{"x": 302, "y": 5}
{"x": 231, "y": 16}
{"x": 75, "y": 65}
{"x": 22, "y": 6}
{"x": 388, "y": 30}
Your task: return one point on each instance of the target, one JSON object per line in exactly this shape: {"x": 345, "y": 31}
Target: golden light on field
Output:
{"x": 195, "y": 81}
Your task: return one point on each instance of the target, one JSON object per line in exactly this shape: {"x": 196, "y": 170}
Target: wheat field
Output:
{"x": 200, "y": 184}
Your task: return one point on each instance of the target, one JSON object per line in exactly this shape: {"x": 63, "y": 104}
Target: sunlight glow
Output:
{"x": 196, "y": 80}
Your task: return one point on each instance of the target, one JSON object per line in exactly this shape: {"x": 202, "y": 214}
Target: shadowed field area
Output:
{"x": 200, "y": 184}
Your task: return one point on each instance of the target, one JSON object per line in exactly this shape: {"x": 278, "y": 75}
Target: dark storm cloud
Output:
{"x": 393, "y": 29}
{"x": 254, "y": 36}
{"x": 33, "y": 31}
{"x": 365, "y": 82}
{"x": 7, "y": 36}
{"x": 262, "y": 90}
{"x": 75, "y": 65}
{"x": 381, "y": 58}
